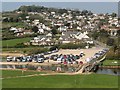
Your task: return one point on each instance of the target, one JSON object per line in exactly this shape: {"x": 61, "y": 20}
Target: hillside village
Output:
{"x": 50, "y": 26}
{"x": 46, "y": 47}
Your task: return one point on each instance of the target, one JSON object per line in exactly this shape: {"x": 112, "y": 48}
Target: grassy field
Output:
{"x": 111, "y": 63}
{"x": 60, "y": 81}
{"x": 14, "y": 42}
{"x": 13, "y": 24}
{"x": 13, "y": 73}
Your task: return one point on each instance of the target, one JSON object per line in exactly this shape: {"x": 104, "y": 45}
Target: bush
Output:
{"x": 110, "y": 42}
{"x": 37, "y": 50}
{"x": 113, "y": 55}
{"x": 20, "y": 45}
{"x": 72, "y": 46}
{"x": 54, "y": 47}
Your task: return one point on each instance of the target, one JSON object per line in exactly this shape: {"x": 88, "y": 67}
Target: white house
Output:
{"x": 62, "y": 28}
{"x": 13, "y": 29}
{"x": 40, "y": 30}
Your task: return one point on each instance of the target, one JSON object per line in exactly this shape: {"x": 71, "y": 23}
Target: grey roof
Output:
{"x": 67, "y": 35}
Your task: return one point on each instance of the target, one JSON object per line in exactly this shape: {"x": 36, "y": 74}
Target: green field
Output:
{"x": 60, "y": 81}
{"x": 14, "y": 42}
{"x": 111, "y": 63}
{"x": 14, "y": 73}
{"x": 13, "y": 24}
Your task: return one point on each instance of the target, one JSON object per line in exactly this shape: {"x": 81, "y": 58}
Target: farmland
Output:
{"x": 60, "y": 81}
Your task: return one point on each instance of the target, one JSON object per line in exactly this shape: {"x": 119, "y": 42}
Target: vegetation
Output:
{"x": 99, "y": 34}
{"x": 54, "y": 31}
{"x": 35, "y": 29}
{"x": 7, "y": 73}
{"x": 63, "y": 81}
{"x": 113, "y": 54}
{"x": 110, "y": 42}
{"x": 111, "y": 63}
{"x": 7, "y": 35}
{"x": 7, "y": 25}
{"x": 13, "y": 42}
{"x": 27, "y": 50}
{"x": 72, "y": 46}
{"x": 37, "y": 50}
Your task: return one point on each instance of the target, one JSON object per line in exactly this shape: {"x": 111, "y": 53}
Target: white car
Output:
{"x": 9, "y": 59}
{"x": 40, "y": 60}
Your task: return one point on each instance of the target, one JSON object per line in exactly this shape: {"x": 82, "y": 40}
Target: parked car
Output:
{"x": 24, "y": 59}
{"x": 9, "y": 59}
{"x": 40, "y": 60}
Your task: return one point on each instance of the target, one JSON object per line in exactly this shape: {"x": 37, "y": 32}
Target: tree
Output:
{"x": 118, "y": 32}
{"x": 110, "y": 42}
{"x": 5, "y": 20}
{"x": 11, "y": 19}
{"x": 54, "y": 31}
{"x": 35, "y": 29}
{"x": 113, "y": 14}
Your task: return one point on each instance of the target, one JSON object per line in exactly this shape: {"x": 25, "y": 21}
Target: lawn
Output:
{"x": 14, "y": 42}
{"x": 13, "y": 73}
{"x": 111, "y": 63}
{"x": 61, "y": 81}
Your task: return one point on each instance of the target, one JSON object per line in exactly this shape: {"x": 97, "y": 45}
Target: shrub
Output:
{"x": 20, "y": 45}
{"x": 113, "y": 54}
{"x": 110, "y": 42}
{"x": 37, "y": 50}
{"x": 54, "y": 47}
{"x": 72, "y": 46}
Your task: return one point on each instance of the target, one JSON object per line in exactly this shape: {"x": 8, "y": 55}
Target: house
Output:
{"x": 79, "y": 28}
{"x": 42, "y": 40}
{"x": 67, "y": 37}
{"x": 67, "y": 40}
{"x": 40, "y": 30}
{"x": 28, "y": 32}
{"x": 81, "y": 36}
{"x": 62, "y": 28}
{"x": 19, "y": 33}
{"x": 13, "y": 29}
{"x": 36, "y": 22}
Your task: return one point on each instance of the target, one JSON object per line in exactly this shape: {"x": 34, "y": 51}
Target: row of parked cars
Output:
{"x": 97, "y": 55}
{"x": 40, "y": 58}
{"x": 66, "y": 59}
{"x": 100, "y": 53}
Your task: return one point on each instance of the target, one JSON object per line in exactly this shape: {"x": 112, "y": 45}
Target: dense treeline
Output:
{"x": 39, "y": 9}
